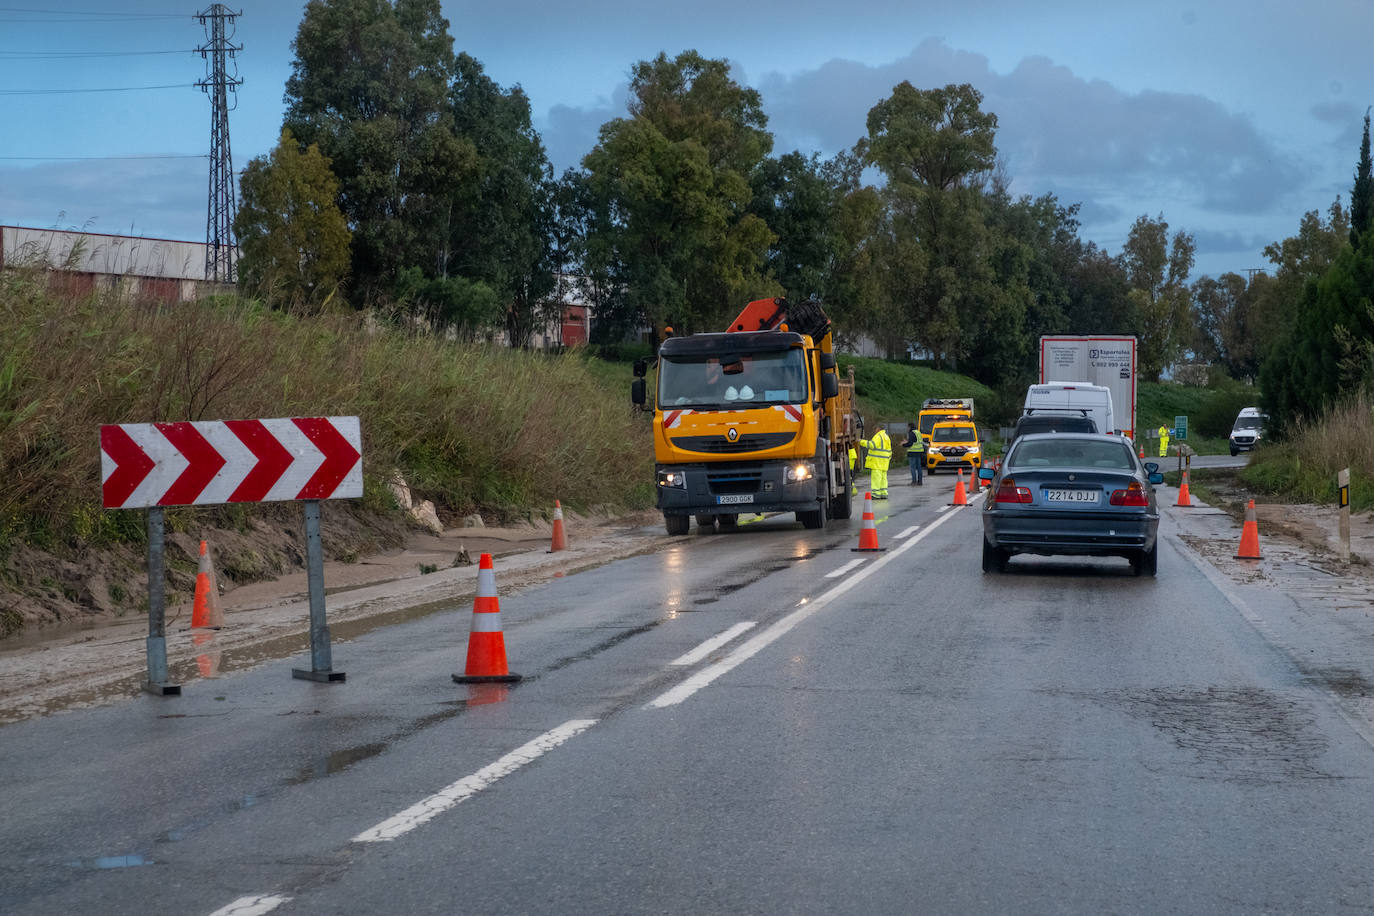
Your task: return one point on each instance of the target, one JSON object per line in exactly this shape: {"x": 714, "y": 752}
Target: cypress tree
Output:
{"x": 1362, "y": 195}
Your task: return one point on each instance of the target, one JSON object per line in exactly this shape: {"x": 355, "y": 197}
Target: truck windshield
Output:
{"x": 755, "y": 379}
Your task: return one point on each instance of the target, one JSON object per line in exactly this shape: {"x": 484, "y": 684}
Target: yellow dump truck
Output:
{"x": 754, "y": 419}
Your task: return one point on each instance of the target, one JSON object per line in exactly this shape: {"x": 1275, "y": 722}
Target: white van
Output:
{"x": 1074, "y": 399}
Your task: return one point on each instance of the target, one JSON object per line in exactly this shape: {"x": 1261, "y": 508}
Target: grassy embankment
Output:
{"x": 470, "y": 426}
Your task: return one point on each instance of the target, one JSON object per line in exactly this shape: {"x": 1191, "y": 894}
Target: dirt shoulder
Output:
{"x": 103, "y": 657}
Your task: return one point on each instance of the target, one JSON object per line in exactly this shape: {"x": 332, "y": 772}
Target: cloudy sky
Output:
{"x": 1230, "y": 118}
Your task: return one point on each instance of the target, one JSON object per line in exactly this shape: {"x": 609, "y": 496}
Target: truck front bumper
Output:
{"x": 729, "y": 489}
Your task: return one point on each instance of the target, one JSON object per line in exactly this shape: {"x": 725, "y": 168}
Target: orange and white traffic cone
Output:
{"x": 1142, "y": 452}
{"x": 486, "y": 643}
{"x": 560, "y": 539}
{"x": 1249, "y": 536}
{"x": 1183, "y": 498}
{"x": 206, "y": 611}
{"x": 960, "y": 497}
{"x": 868, "y": 534}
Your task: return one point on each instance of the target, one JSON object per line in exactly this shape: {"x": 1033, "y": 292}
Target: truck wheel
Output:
{"x": 842, "y": 503}
{"x": 706, "y": 521}
{"x": 728, "y": 522}
{"x": 677, "y": 524}
{"x": 813, "y": 519}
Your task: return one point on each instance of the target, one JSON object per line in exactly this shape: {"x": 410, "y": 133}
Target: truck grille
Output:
{"x": 718, "y": 445}
{"x": 735, "y": 481}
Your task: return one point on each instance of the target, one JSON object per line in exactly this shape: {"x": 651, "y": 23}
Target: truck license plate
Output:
{"x": 1071, "y": 496}
{"x": 734, "y": 498}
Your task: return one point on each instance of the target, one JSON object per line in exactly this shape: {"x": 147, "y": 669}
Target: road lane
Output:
{"x": 1062, "y": 737}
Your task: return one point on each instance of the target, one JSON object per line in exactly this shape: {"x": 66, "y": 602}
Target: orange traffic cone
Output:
{"x": 560, "y": 540}
{"x": 868, "y": 534}
{"x": 1183, "y": 498}
{"x": 206, "y": 612}
{"x": 1249, "y": 536}
{"x": 960, "y": 498}
{"x": 486, "y": 644}
{"x": 1142, "y": 451}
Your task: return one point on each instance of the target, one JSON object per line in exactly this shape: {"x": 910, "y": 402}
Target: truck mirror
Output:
{"x": 638, "y": 394}
{"x": 830, "y": 386}
{"x": 827, "y": 360}
{"x": 641, "y": 368}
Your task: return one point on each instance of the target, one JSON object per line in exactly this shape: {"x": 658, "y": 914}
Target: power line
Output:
{"x": 80, "y": 55}
{"x": 89, "y": 158}
{"x": 103, "y": 89}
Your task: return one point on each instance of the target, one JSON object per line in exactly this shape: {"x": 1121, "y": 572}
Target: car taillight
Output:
{"x": 1134, "y": 495}
{"x": 1009, "y": 492}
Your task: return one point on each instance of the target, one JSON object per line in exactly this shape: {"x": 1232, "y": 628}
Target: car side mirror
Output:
{"x": 1151, "y": 467}
{"x": 986, "y": 473}
{"x": 1156, "y": 478}
{"x": 638, "y": 394}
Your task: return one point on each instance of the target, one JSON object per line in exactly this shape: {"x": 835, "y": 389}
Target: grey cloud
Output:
{"x": 153, "y": 198}
{"x": 1338, "y": 113}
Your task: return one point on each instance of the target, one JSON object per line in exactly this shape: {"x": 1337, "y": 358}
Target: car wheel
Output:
{"x": 994, "y": 558}
{"x": 1235, "y": 452}
{"x": 1146, "y": 562}
{"x": 677, "y": 524}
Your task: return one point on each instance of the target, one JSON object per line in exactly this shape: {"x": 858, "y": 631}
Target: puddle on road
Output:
{"x": 602, "y": 646}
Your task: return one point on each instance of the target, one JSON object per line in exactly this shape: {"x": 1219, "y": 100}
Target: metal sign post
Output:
{"x": 321, "y": 662}
{"x": 157, "y": 634}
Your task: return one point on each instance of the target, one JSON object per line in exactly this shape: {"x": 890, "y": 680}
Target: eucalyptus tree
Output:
{"x": 1157, "y": 269}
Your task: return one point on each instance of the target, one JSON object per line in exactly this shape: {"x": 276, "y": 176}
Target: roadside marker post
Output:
{"x": 1343, "y": 486}
{"x": 306, "y": 459}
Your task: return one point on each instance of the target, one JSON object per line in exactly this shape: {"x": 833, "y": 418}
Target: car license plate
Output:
{"x": 734, "y": 499}
{"x": 1071, "y": 496}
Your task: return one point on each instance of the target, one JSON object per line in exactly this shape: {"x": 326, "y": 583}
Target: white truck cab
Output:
{"x": 1076, "y": 399}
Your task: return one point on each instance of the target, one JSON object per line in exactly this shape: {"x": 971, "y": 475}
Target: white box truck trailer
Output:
{"x": 1098, "y": 359}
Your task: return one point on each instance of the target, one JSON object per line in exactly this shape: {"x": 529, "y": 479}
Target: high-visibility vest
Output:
{"x": 853, "y": 457}
{"x": 879, "y": 451}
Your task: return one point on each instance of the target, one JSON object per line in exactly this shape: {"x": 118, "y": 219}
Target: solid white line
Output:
{"x": 907, "y": 533}
{"x": 836, "y": 573}
{"x": 252, "y": 906}
{"x": 468, "y": 786}
{"x": 712, "y": 644}
{"x": 748, "y": 650}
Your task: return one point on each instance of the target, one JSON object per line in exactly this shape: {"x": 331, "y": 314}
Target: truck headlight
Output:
{"x": 672, "y": 479}
{"x": 798, "y": 472}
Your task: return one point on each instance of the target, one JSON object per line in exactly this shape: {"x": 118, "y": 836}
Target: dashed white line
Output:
{"x": 252, "y": 906}
{"x": 907, "y": 533}
{"x": 836, "y": 573}
{"x": 749, "y": 649}
{"x": 468, "y": 786}
{"x": 712, "y": 644}
{"x": 944, "y": 508}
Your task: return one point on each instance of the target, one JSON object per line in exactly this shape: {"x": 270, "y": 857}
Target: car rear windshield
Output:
{"x": 954, "y": 434}
{"x": 1077, "y": 453}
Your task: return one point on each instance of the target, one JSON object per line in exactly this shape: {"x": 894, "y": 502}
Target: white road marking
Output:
{"x": 836, "y": 573}
{"x": 710, "y": 673}
{"x": 468, "y": 786}
{"x": 944, "y": 508}
{"x": 907, "y": 533}
{"x": 252, "y": 906}
{"x": 712, "y": 644}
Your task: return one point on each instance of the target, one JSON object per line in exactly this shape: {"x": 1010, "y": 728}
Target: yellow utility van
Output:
{"x": 954, "y": 445}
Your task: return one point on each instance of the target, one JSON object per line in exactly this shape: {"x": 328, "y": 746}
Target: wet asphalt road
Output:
{"x": 906, "y": 736}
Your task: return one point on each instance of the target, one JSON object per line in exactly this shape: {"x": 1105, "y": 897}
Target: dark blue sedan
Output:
{"x": 1071, "y": 493}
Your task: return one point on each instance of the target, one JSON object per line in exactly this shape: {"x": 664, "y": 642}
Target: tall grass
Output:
{"x": 1303, "y": 468}
{"x": 471, "y": 426}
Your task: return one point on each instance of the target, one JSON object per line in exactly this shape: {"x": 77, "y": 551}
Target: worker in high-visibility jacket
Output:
{"x": 853, "y": 460}
{"x": 879, "y": 456}
{"x": 1163, "y": 441}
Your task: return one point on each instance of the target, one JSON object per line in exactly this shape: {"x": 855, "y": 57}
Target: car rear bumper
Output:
{"x": 1084, "y": 534}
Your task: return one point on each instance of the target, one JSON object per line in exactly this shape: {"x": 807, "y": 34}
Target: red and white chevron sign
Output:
{"x": 230, "y": 461}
